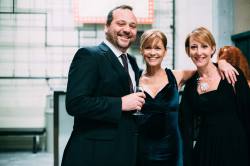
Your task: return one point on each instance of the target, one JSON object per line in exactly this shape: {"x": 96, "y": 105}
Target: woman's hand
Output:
{"x": 227, "y": 71}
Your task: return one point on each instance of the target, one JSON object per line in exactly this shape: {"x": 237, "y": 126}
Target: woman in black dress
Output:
{"x": 159, "y": 138}
{"x": 215, "y": 119}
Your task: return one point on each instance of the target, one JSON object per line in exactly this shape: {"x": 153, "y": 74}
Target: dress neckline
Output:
{"x": 211, "y": 91}
{"x": 159, "y": 92}
{"x": 148, "y": 93}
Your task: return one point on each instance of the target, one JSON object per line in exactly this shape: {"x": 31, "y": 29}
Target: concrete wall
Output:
{"x": 241, "y": 16}
{"x": 222, "y": 18}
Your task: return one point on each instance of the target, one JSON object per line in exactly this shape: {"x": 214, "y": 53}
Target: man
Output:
{"x": 99, "y": 96}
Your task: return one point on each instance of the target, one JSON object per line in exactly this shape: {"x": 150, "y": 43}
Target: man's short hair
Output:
{"x": 110, "y": 14}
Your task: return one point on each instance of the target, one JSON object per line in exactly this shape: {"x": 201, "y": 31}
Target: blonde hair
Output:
{"x": 149, "y": 36}
{"x": 201, "y": 35}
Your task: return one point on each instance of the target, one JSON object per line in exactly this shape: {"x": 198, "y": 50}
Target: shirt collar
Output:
{"x": 112, "y": 47}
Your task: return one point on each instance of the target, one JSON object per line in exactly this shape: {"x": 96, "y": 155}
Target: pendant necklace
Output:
{"x": 203, "y": 85}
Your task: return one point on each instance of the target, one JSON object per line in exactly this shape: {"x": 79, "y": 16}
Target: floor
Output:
{"x": 26, "y": 158}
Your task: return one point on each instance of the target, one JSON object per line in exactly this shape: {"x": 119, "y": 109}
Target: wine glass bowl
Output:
{"x": 138, "y": 89}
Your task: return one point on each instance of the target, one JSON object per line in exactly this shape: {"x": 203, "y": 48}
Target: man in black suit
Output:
{"x": 99, "y": 96}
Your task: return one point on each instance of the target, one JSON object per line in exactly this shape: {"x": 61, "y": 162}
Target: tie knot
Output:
{"x": 124, "y": 56}
{"x": 124, "y": 61}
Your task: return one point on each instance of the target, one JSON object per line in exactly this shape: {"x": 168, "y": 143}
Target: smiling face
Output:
{"x": 121, "y": 32}
{"x": 200, "y": 46}
{"x": 200, "y": 53}
{"x": 153, "y": 45}
{"x": 153, "y": 52}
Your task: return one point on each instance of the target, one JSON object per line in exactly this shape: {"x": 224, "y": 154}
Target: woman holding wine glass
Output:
{"x": 158, "y": 129}
{"x": 159, "y": 138}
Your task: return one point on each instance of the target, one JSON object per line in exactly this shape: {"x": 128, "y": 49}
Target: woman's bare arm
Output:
{"x": 226, "y": 70}
{"x": 182, "y": 76}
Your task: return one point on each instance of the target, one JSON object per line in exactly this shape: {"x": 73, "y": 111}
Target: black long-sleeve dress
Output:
{"x": 219, "y": 122}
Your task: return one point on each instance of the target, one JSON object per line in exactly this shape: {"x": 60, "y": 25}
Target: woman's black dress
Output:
{"x": 219, "y": 121}
{"x": 222, "y": 140}
{"x": 159, "y": 137}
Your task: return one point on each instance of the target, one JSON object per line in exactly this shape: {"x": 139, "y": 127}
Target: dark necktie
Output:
{"x": 125, "y": 65}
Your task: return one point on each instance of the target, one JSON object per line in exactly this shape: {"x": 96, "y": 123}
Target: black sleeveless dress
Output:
{"x": 159, "y": 138}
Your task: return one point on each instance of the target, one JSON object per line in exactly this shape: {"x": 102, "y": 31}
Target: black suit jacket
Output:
{"x": 102, "y": 133}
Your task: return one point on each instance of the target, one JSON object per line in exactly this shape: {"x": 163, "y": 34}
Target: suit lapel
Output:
{"x": 117, "y": 66}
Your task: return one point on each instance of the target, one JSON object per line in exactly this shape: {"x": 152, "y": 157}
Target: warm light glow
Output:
{"x": 95, "y": 12}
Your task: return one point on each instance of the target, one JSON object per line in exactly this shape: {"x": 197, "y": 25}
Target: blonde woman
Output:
{"x": 213, "y": 111}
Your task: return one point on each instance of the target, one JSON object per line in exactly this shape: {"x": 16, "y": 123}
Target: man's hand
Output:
{"x": 227, "y": 71}
{"x": 133, "y": 101}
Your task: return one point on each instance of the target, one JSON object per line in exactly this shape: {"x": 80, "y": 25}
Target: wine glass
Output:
{"x": 138, "y": 89}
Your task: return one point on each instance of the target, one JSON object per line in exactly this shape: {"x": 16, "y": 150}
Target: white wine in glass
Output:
{"x": 138, "y": 89}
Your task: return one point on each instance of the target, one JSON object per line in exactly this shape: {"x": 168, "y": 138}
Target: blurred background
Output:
{"x": 38, "y": 39}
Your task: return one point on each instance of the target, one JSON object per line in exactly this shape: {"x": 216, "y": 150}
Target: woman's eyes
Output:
{"x": 202, "y": 46}
{"x": 156, "y": 48}
{"x": 193, "y": 47}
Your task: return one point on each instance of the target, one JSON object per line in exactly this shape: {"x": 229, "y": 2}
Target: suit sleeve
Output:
{"x": 81, "y": 97}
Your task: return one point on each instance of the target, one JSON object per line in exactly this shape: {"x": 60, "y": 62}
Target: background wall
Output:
{"x": 223, "y": 18}
{"x": 241, "y": 16}
{"x": 189, "y": 15}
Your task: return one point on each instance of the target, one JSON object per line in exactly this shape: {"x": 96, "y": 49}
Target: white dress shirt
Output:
{"x": 118, "y": 55}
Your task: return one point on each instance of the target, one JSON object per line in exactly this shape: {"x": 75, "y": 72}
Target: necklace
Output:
{"x": 203, "y": 85}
